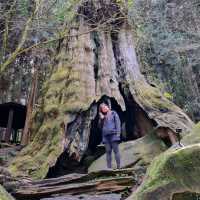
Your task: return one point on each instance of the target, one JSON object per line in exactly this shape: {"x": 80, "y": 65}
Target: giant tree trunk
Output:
{"x": 97, "y": 65}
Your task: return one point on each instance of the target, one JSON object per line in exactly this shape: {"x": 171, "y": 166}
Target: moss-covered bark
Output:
{"x": 173, "y": 172}
{"x": 60, "y": 104}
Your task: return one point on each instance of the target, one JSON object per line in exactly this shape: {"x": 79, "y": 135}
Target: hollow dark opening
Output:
{"x": 134, "y": 121}
{"x": 134, "y": 124}
{"x": 12, "y": 118}
{"x": 138, "y": 124}
{"x": 65, "y": 165}
{"x": 168, "y": 136}
{"x": 95, "y": 131}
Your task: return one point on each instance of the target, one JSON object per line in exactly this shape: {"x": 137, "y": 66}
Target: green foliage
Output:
{"x": 167, "y": 50}
{"x": 23, "y": 6}
{"x": 64, "y": 11}
{"x": 122, "y": 2}
{"x": 168, "y": 95}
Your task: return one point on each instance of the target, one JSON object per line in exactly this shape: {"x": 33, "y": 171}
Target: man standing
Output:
{"x": 111, "y": 129}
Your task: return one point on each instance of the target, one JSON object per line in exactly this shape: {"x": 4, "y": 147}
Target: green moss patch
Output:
{"x": 171, "y": 172}
{"x": 62, "y": 97}
{"x": 193, "y": 137}
{"x": 152, "y": 97}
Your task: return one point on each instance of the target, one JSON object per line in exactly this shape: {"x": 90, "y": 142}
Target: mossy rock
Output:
{"x": 173, "y": 172}
{"x": 193, "y": 137}
{"x": 141, "y": 151}
{"x": 4, "y": 195}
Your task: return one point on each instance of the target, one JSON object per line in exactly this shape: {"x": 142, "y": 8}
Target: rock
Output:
{"x": 172, "y": 175}
{"x": 142, "y": 150}
{"x": 4, "y": 195}
{"x": 193, "y": 137}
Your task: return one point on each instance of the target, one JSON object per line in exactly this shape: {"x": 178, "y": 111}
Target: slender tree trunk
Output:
{"x": 31, "y": 102}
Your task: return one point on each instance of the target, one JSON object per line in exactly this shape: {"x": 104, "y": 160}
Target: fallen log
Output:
{"x": 101, "y": 186}
{"x": 56, "y": 181}
{"x": 100, "y": 182}
{"x": 87, "y": 197}
{"x": 78, "y": 178}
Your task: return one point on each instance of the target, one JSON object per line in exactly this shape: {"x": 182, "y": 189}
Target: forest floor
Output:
{"x": 99, "y": 185}
{"x": 7, "y": 153}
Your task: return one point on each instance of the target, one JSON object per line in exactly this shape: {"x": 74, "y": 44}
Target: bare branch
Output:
{"x": 14, "y": 54}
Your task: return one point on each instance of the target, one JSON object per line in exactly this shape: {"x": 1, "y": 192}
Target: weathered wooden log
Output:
{"x": 95, "y": 187}
{"x": 56, "y": 181}
{"x": 100, "y": 182}
{"x": 112, "y": 196}
{"x": 77, "y": 178}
